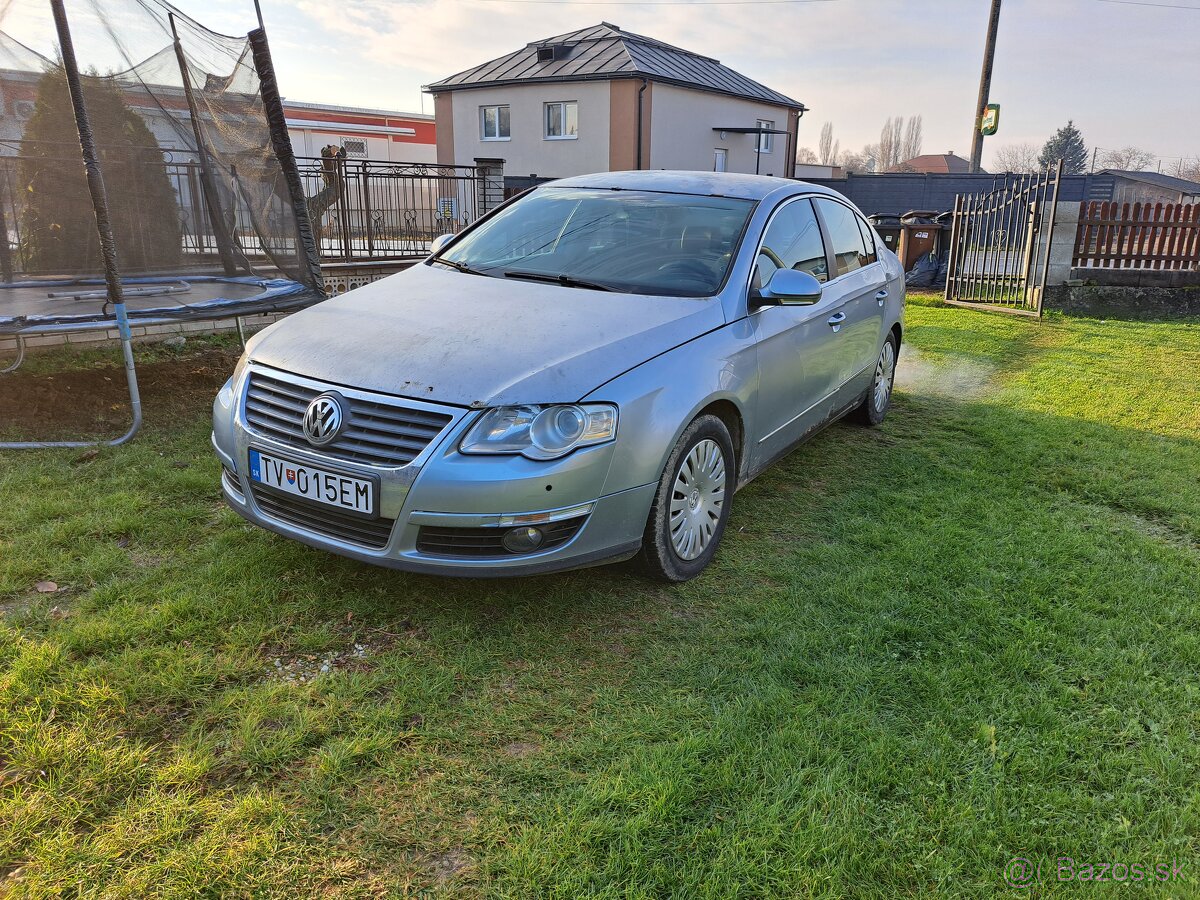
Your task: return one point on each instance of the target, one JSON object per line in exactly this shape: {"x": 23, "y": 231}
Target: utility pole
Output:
{"x": 985, "y": 87}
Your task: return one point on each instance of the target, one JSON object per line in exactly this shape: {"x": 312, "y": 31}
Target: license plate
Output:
{"x": 313, "y": 483}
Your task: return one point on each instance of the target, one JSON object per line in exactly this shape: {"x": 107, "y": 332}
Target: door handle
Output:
{"x": 836, "y": 320}
{"x": 881, "y": 296}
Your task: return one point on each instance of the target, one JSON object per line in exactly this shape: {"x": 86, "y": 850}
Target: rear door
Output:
{"x": 858, "y": 289}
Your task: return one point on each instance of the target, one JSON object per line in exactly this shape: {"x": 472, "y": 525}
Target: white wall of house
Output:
{"x": 527, "y": 151}
{"x": 379, "y": 146}
{"x": 682, "y": 136}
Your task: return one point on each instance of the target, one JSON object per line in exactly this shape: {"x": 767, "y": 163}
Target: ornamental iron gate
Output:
{"x": 999, "y": 254}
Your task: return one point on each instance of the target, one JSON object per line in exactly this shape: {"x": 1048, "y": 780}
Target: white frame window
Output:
{"x": 501, "y": 120}
{"x": 356, "y": 148}
{"x": 765, "y": 143}
{"x": 568, "y": 119}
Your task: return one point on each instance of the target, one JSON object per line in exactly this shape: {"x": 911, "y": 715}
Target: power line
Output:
{"x": 1147, "y": 3}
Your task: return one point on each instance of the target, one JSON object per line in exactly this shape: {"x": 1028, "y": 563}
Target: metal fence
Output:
{"x": 1138, "y": 236}
{"x": 362, "y": 209}
{"x": 995, "y": 241}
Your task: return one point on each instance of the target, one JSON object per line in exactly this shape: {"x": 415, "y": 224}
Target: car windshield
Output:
{"x": 637, "y": 242}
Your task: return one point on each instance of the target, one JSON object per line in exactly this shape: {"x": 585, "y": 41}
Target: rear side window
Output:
{"x": 846, "y": 236}
{"x": 868, "y": 234}
{"x": 793, "y": 241}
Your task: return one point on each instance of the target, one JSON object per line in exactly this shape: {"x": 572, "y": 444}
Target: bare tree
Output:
{"x": 891, "y": 140}
{"x": 806, "y": 157}
{"x": 1127, "y": 159}
{"x": 828, "y": 149}
{"x": 1018, "y": 158}
{"x": 855, "y": 163}
{"x": 913, "y": 139}
{"x": 870, "y": 157}
{"x": 1188, "y": 168}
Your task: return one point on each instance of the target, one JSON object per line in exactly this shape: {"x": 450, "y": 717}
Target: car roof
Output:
{"x": 711, "y": 184}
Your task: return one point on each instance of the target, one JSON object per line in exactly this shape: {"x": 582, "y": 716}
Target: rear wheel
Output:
{"x": 691, "y": 505}
{"x": 878, "y": 398}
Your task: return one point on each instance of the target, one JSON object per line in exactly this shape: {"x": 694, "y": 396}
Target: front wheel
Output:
{"x": 878, "y": 398}
{"x": 691, "y": 505}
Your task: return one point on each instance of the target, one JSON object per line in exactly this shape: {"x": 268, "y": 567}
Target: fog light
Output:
{"x": 522, "y": 540}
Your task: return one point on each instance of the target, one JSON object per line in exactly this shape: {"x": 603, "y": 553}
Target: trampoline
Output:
{"x": 162, "y": 191}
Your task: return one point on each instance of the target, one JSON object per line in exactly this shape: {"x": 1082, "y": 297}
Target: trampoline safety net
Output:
{"x": 206, "y": 207}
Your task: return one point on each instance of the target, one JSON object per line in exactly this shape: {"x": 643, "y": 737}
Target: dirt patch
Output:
{"x": 445, "y": 867}
{"x": 521, "y": 749}
{"x": 94, "y": 401}
{"x": 306, "y": 667}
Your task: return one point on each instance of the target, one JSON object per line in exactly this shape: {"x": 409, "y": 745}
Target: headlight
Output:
{"x": 242, "y": 362}
{"x": 541, "y": 432}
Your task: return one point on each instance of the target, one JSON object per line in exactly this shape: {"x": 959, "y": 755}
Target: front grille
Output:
{"x": 323, "y": 520}
{"x": 378, "y": 434}
{"x": 483, "y": 542}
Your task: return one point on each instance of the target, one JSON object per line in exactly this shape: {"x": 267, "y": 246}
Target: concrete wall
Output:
{"x": 527, "y": 152}
{"x": 1062, "y": 245}
{"x": 682, "y": 136}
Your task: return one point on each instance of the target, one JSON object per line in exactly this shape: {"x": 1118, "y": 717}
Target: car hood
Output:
{"x": 449, "y": 337}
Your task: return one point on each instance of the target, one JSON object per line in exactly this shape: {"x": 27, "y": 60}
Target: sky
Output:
{"x": 1125, "y": 72}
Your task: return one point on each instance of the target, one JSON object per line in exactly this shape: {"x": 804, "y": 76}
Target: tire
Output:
{"x": 705, "y": 450}
{"x": 878, "y": 398}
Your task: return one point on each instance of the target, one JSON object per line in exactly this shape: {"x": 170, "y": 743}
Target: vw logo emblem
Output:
{"x": 324, "y": 419}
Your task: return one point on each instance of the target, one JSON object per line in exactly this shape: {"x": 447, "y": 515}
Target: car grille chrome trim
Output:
{"x": 322, "y": 520}
{"x": 438, "y": 540}
{"x": 380, "y": 433}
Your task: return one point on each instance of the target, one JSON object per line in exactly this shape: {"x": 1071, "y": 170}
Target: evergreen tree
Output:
{"x": 59, "y": 226}
{"x": 1067, "y": 145}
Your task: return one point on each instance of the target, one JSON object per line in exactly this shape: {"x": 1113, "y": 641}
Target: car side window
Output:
{"x": 845, "y": 235}
{"x": 868, "y": 234}
{"x": 792, "y": 241}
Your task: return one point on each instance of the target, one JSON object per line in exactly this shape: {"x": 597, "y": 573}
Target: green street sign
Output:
{"x": 990, "y": 122}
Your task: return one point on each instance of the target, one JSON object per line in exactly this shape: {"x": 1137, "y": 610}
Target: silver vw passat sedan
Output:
{"x": 584, "y": 375}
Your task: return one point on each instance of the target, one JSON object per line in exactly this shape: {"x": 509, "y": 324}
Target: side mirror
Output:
{"x": 789, "y": 287}
{"x": 440, "y": 242}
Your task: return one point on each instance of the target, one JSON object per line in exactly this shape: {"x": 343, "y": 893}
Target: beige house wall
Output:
{"x": 682, "y": 135}
{"x": 527, "y": 151}
{"x": 623, "y": 123}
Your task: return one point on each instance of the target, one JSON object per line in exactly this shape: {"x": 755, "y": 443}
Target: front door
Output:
{"x": 799, "y": 347}
{"x": 720, "y": 159}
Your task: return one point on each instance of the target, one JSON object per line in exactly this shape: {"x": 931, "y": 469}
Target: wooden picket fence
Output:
{"x": 1138, "y": 236}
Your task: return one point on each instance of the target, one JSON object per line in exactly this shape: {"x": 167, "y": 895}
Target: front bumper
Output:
{"x": 443, "y": 489}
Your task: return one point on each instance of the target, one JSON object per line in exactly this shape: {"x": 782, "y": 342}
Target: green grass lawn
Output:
{"x": 969, "y": 635}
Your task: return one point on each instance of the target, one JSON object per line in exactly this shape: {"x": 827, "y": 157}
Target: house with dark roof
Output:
{"x": 1151, "y": 187}
{"x": 603, "y": 99}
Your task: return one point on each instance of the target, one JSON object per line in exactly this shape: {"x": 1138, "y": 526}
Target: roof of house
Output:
{"x": 603, "y": 52}
{"x": 1168, "y": 182}
{"x": 937, "y": 162}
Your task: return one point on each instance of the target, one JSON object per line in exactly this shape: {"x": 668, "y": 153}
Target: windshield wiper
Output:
{"x": 461, "y": 267}
{"x": 564, "y": 280}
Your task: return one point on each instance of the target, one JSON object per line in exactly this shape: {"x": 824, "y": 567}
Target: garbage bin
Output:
{"x": 888, "y": 228}
{"x": 920, "y": 233}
